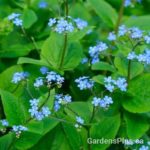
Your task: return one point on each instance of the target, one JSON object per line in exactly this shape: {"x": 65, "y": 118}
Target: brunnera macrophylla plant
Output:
{"x": 74, "y": 91}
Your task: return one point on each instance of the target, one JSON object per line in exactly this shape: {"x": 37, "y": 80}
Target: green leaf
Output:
{"x": 7, "y": 75}
{"x": 72, "y": 136}
{"x": 103, "y": 66}
{"x": 73, "y": 56}
{"x": 140, "y": 90}
{"x": 122, "y": 66}
{"x": 26, "y": 60}
{"x": 12, "y": 108}
{"x": 105, "y": 11}
{"x": 5, "y": 141}
{"x": 141, "y": 21}
{"x": 136, "y": 125}
{"x": 52, "y": 52}
{"x": 51, "y": 49}
{"x": 83, "y": 109}
{"x": 78, "y": 35}
{"x": 105, "y": 129}
{"x": 29, "y": 18}
{"x": 99, "y": 79}
{"x": 29, "y": 139}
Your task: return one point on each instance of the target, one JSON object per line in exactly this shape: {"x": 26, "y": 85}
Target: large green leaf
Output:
{"x": 105, "y": 129}
{"x": 29, "y": 18}
{"x": 29, "y": 139}
{"x": 26, "y": 60}
{"x": 141, "y": 21}
{"x": 83, "y": 109}
{"x": 5, "y": 141}
{"x": 140, "y": 90}
{"x": 13, "y": 108}
{"x": 136, "y": 125}
{"x": 7, "y": 76}
{"x": 103, "y": 66}
{"x": 72, "y": 136}
{"x": 122, "y": 66}
{"x": 52, "y": 51}
{"x": 105, "y": 11}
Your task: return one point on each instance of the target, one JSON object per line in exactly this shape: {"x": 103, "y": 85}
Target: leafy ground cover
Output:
{"x": 74, "y": 75}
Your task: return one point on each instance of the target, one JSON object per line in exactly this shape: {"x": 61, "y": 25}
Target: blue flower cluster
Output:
{"x": 63, "y": 25}
{"x": 143, "y": 147}
{"x": 35, "y": 112}
{"x": 18, "y": 129}
{"x": 51, "y": 78}
{"x": 84, "y": 83}
{"x": 111, "y": 84}
{"x": 42, "y": 4}
{"x": 19, "y": 76}
{"x": 94, "y": 51}
{"x": 61, "y": 99}
{"x": 14, "y": 17}
{"x": 143, "y": 58}
{"x": 133, "y": 33}
{"x": 4, "y": 122}
{"x": 112, "y": 36}
{"x": 79, "y": 122}
{"x": 104, "y": 102}
{"x": 129, "y": 2}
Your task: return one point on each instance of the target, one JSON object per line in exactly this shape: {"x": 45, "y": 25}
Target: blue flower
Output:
{"x": 38, "y": 82}
{"x": 45, "y": 111}
{"x": 136, "y": 33}
{"x": 143, "y": 147}
{"x": 79, "y": 120}
{"x": 122, "y": 30}
{"x": 102, "y": 102}
{"x": 84, "y": 83}
{"x": 43, "y": 70}
{"x": 111, "y": 36}
{"x": 18, "y": 129}
{"x": 52, "y": 21}
{"x": 109, "y": 87}
{"x": 61, "y": 99}
{"x": 121, "y": 83}
{"x": 110, "y": 84}
{"x": 4, "y": 122}
{"x": 17, "y": 22}
{"x": 35, "y": 112}
{"x": 81, "y": 24}
{"x": 13, "y": 16}
{"x": 53, "y": 77}
{"x": 96, "y": 101}
{"x": 43, "y": 4}
{"x": 19, "y": 76}
{"x": 127, "y": 3}
{"x": 147, "y": 39}
{"x": 94, "y": 51}
{"x": 84, "y": 60}
{"x": 131, "y": 56}
{"x": 64, "y": 26}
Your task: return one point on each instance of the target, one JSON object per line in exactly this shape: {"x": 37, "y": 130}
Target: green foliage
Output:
{"x": 140, "y": 95}
{"x": 63, "y": 48}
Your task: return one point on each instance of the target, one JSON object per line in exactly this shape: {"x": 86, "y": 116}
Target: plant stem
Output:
{"x": 65, "y": 38}
{"x": 121, "y": 11}
{"x": 130, "y": 62}
{"x": 63, "y": 51}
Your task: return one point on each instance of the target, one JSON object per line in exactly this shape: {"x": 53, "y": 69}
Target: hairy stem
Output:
{"x": 130, "y": 61}
{"x": 121, "y": 11}
{"x": 65, "y": 38}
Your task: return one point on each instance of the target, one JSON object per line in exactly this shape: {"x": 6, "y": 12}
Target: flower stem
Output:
{"x": 120, "y": 15}
{"x": 65, "y": 38}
